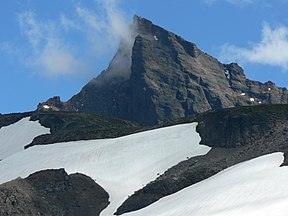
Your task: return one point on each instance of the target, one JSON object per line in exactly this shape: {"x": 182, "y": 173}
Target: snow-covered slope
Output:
{"x": 121, "y": 166}
{"x": 14, "y": 137}
{"x": 256, "y": 187}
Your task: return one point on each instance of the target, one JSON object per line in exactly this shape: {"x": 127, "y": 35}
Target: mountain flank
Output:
{"x": 235, "y": 135}
{"x": 161, "y": 77}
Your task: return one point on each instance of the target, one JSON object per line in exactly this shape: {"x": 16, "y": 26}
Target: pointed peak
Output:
{"x": 143, "y": 25}
{"x": 136, "y": 18}
{"x": 140, "y": 20}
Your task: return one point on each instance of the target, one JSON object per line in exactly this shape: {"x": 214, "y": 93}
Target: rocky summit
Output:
{"x": 157, "y": 76}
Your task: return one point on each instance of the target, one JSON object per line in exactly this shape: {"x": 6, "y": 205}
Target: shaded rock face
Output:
{"x": 52, "y": 192}
{"x": 161, "y": 77}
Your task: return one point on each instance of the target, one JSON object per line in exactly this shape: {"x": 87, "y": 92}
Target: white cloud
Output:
{"x": 104, "y": 31}
{"x": 72, "y": 43}
{"x": 48, "y": 53}
{"x": 56, "y": 60}
{"x": 271, "y": 50}
{"x": 116, "y": 20}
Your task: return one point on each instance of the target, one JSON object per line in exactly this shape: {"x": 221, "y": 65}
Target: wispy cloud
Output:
{"x": 52, "y": 48}
{"x": 47, "y": 51}
{"x": 271, "y": 50}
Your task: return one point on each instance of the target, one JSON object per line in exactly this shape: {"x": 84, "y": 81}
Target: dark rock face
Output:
{"x": 231, "y": 128}
{"x": 235, "y": 135}
{"x": 52, "y": 192}
{"x": 8, "y": 119}
{"x": 73, "y": 126}
{"x": 161, "y": 77}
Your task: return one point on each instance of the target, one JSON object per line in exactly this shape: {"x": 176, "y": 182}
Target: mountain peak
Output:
{"x": 160, "y": 76}
{"x": 142, "y": 24}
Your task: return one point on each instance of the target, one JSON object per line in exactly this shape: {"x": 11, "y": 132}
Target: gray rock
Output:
{"x": 161, "y": 77}
{"x": 52, "y": 193}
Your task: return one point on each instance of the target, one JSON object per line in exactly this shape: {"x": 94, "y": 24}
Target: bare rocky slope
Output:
{"x": 161, "y": 77}
{"x": 52, "y": 193}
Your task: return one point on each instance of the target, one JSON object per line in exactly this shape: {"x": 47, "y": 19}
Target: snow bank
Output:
{"x": 255, "y": 187}
{"x": 14, "y": 137}
{"x": 122, "y": 165}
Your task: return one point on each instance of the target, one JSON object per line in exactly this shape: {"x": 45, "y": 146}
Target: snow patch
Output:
{"x": 242, "y": 94}
{"x": 252, "y": 99}
{"x": 255, "y": 187}
{"x": 14, "y": 137}
{"x": 227, "y": 74}
{"x": 121, "y": 166}
{"x": 46, "y": 107}
{"x": 155, "y": 38}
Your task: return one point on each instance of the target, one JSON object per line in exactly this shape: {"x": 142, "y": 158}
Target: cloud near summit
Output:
{"x": 51, "y": 45}
{"x": 272, "y": 49}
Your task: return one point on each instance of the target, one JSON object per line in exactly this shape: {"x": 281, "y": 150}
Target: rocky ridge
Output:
{"x": 73, "y": 126}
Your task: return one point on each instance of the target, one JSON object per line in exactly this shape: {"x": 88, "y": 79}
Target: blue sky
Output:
{"x": 52, "y": 47}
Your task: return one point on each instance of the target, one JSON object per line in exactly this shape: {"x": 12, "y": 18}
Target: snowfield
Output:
{"x": 121, "y": 166}
{"x": 14, "y": 137}
{"x": 124, "y": 165}
{"x": 254, "y": 188}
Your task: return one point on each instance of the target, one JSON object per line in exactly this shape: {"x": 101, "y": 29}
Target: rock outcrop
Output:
{"x": 52, "y": 104}
{"x": 52, "y": 192}
{"x": 161, "y": 76}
